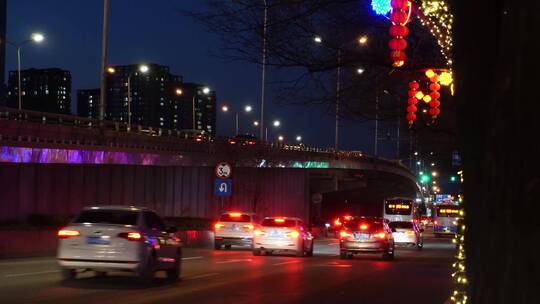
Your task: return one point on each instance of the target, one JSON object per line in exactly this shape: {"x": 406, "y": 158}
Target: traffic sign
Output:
{"x": 222, "y": 187}
{"x": 223, "y": 170}
{"x": 316, "y": 198}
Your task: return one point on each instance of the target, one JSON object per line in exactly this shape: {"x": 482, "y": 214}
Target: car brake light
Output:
{"x": 409, "y": 232}
{"x": 67, "y": 233}
{"x": 294, "y": 234}
{"x": 232, "y": 142}
{"x": 363, "y": 227}
{"x": 337, "y": 222}
{"x": 219, "y": 226}
{"x": 381, "y": 235}
{"x": 249, "y": 226}
{"x": 435, "y": 223}
{"x": 347, "y": 217}
{"x": 198, "y": 139}
{"x": 251, "y": 142}
{"x": 259, "y": 232}
{"x": 130, "y": 236}
{"x": 344, "y": 234}
{"x": 279, "y": 220}
{"x": 235, "y": 214}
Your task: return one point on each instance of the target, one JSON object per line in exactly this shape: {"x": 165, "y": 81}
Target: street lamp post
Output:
{"x": 263, "y": 76}
{"x": 205, "y": 91}
{"x": 35, "y": 37}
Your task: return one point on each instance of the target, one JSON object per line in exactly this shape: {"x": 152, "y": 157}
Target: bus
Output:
{"x": 399, "y": 209}
{"x": 445, "y": 218}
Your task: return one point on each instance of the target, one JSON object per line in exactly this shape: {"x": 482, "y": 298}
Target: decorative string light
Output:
{"x": 459, "y": 296}
{"x": 437, "y": 17}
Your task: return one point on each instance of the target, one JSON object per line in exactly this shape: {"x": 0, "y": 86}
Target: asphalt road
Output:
{"x": 235, "y": 276}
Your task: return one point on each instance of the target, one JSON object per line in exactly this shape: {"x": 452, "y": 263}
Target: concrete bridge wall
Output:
{"x": 62, "y": 189}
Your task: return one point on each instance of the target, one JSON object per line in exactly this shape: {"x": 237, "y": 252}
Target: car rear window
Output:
{"x": 278, "y": 223}
{"x": 235, "y": 218}
{"x": 116, "y": 217}
{"x": 401, "y": 225}
{"x": 364, "y": 226}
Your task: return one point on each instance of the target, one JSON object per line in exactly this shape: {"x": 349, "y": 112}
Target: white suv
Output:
{"x": 234, "y": 228}
{"x": 119, "y": 238}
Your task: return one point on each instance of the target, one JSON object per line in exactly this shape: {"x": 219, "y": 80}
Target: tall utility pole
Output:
{"x": 375, "y": 152}
{"x": 263, "y": 80}
{"x": 338, "y": 89}
{"x": 104, "y": 46}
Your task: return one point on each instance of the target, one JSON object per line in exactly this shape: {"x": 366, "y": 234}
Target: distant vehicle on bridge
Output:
{"x": 119, "y": 238}
{"x": 243, "y": 140}
{"x": 445, "y": 219}
{"x": 400, "y": 209}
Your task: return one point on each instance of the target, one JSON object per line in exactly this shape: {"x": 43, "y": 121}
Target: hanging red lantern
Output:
{"x": 435, "y": 95}
{"x": 412, "y": 100}
{"x": 434, "y": 87}
{"x": 411, "y": 108}
{"x": 414, "y": 85}
{"x": 411, "y": 117}
{"x": 434, "y": 78}
{"x": 398, "y": 30}
{"x": 432, "y": 112}
{"x": 398, "y": 56}
{"x": 397, "y": 44}
{"x": 399, "y": 17}
{"x": 435, "y": 104}
{"x": 399, "y": 4}
{"x": 412, "y": 93}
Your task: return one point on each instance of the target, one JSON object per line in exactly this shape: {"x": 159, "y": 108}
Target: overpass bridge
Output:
{"x": 55, "y": 164}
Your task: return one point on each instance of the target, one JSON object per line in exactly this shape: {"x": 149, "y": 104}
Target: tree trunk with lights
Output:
{"x": 497, "y": 66}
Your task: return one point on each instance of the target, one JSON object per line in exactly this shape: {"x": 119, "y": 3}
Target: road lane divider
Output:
{"x": 202, "y": 276}
{"x": 233, "y": 261}
{"x": 192, "y": 258}
{"x": 14, "y": 275}
{"x": 288, "y": 262}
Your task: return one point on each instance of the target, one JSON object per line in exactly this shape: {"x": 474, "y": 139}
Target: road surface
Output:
{"x": 235, "y": 276}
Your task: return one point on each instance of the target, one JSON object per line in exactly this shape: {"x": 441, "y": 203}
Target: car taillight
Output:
{"x": 67, "y": 233}
{"x": 337, "y": 222}
{"x": 409, "y": 232}
{"x": 251, "y": 142}
{"x": 279, "y": 220}
{"x": 219, "y": 225}
{"x": 232, "y": 142}
{"x": 235, "y": 214}
{"x": 344, "y": 234}
{"x": 294, "y": 234}
{"x": 435, "y": 223}
{"x": 363, "y": 227}
{"x": 259, "y": 232}
{"x": 130, "y": 236}
{"x": 249, "y": 226}
{"x": 381, "y": 235}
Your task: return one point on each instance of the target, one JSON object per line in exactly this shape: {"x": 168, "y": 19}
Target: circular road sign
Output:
{"x": 223, "y": 170}
{"x": 316, "y": 198}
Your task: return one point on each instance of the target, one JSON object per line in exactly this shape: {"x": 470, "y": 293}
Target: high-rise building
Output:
{"x": 2, "y": 51}
{"x": 88, "y": 102}
{"x": 45, "y": 90}
{"x": 199, "y": 102}
{"x": 153, "y": 93}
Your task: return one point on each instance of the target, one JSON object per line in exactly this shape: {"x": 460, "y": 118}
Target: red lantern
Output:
{"x": 397, "y": 30}
{"x": 411, "y": 117}
{"x": 412, "y": 100}
{"x": 412, "y": 93}
{"x": 437, "y": 111}
{"x": 435, "y": 103}
{"x": 432, "y": 112}
{"x": 414, "y": 85}
{"x": 434, "y": 87}
{"x": 435, "y": 95}
{"x": 397, "y": 44}
{"x": 411, "y": 108}
{"x": 434, "y": 78}
{"x": 399, "y": 4}
{"x": 399, "y": 17}
{"x": 398, "y": 56}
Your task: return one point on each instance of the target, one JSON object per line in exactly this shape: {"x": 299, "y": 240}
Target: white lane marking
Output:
{"x": 30, "y": 273}
{"x": 234, "y": 261}
{"x": 13, "y": 263}
{"x": 285, "y": 263}
{"x": 201, "y": 276}
{"x": 192, "y": 258}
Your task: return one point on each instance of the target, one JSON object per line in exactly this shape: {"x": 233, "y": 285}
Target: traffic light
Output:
{"x": 424, "y": 178}
{"x": 453, "y": 179}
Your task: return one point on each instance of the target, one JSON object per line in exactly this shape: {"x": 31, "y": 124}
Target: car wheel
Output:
{"x": 101, "y": 274}
{"x": 68, "y": 274}
{"x": 420, "y": 245}
{"x": 302, "y": 251}
{"x": 146, "y": 272}
{"x": 388, "y": 255}
{"x": 173, "y": 274}
{"x": 217, "y": 245}
{"x": 228, "y": 246}
{"x": 343, "y": 255}
{"x": 310, "y": 252}
{"x": 256, "y": 252}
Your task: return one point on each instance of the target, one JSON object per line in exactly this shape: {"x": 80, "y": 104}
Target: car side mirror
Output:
{"x": 421, "y": 229}
{"x": 171, "y": 230}
{"x": 393, "y": 229}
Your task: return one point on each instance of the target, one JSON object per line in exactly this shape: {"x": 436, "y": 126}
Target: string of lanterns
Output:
{"x": 400, "y": 16}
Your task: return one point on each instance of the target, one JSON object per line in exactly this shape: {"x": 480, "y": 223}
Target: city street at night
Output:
{"x": 236, "y": 276}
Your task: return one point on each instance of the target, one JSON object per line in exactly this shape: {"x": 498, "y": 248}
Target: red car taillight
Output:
{"x": 67, "y": 233}
{"x": 294, "y": 234}
{"x": 249, "y": 227}
{"x": 219, "y": 225}
{"x": 130, "y": 236}
{"x": 259, "y": 232}
{"x": 344, "y": 234}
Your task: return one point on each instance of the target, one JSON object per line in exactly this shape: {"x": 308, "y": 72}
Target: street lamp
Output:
{"x": 255, "y": 123}
{"x": 298, "y": 138}
{"x": 276, "y": 123}
{"x": 363, "y": 39}
{"x": 280, "y": 138}
{"x": 205, "y": 90}
{"x": 34, "y": 37}
{"x": 178, "y": 91}
{"x": 360, "y": 71}
{"x": 247, "y": 109}
{"x": 143, "y": 69}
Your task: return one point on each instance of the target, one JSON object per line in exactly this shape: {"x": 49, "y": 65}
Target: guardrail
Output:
{"x": 47, "y": 128}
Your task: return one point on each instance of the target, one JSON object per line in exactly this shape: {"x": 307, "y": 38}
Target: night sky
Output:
{"x": 143, "y": 31}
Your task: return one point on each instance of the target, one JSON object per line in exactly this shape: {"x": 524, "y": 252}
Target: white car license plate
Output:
{"x": 361, "y": 236}
{"x": 92, "y": 240}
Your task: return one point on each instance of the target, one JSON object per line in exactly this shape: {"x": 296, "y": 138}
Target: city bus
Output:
{"x": 445, "y": 217}
{"x": 399, "y": 209}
